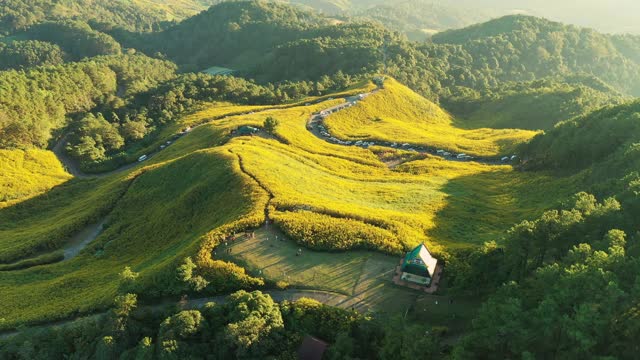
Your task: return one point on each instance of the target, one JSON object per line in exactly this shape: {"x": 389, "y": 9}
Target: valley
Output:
{"x": 241, "y": 179}
{"x": 345, "y": 186}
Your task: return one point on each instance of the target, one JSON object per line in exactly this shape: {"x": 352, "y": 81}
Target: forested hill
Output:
{"x": 286, "y": 43}
{"x": 608, "y": 138}
{"x": 292, "y": 44}
{"x": 138, "y": 15}
{"x": 524, "y": 47}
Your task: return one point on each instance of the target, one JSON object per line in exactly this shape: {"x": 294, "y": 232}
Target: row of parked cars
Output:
{"x": 169, "y": 142}
{"x": 461, "y": 156}
{"x": 364, "y": 143}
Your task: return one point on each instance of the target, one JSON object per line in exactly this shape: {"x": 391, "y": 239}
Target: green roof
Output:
{"x": 246, "y": 130}
{"x": 419, "y": 262}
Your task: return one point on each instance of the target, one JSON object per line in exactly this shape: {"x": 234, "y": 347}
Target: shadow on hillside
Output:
{"x": 44, "y": 223}
{"x": 482, "y": 207}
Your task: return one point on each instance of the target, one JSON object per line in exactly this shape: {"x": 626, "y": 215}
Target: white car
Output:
{"x": 142, "y": 158}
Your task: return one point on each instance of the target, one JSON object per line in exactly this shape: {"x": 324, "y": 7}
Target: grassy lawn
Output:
{"x": 365, "y": 276}
{"x": 362, "y": 275}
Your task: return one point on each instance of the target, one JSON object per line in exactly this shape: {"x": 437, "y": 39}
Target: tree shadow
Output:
{"x": 482, "y": 207}
{"x": 46, "y": 222}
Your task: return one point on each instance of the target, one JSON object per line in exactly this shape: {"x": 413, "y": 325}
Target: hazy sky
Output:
{"x": 604, "y": 15}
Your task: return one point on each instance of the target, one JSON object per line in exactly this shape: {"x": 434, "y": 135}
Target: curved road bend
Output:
{"x": 315, "y": 124}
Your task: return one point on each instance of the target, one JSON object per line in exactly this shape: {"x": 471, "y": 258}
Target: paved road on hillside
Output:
{"x": 325, "y": 297}
{"x": 315, "y": 125}
{"x": 73, "y": 167}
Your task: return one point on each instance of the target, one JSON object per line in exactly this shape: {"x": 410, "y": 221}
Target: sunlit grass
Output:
{"x": 159, "y": 221}
{"x": 159, "y": 212}
{"x": 397, "y": 114}
{"x": 25, "y": 174}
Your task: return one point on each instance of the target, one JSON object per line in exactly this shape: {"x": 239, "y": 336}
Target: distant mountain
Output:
{"x": 525, "y": 47}
{"x": 270, "y": 41}
{"x": 419, "y": 19}
{"x": 609, "y": 16}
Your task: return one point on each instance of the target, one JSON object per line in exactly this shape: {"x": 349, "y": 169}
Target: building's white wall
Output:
{"x": 415, "y": 279}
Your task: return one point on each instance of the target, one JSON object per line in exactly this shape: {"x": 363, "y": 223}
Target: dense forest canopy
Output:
{"x": 609, "y": 134}
{"x": 37, "y": 101}
{"x": 523, "y": 48}
{"x": 16, "y": 15}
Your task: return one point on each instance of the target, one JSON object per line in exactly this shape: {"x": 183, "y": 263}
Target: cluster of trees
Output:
{"x": 526, "y": 48}
{"x": 29, "y": 53}
{"x": 510, "y": 105}
{"x": 243, "y": 326}
{"x": 220, "y": 35}
{"x": 607, "y": 134}
{"x": 570, "y": 284}
{"x": 101, "y": 138}
{"x": 76, "y": 38}
{"x": 18, "y": 15}
{"x": 36, "y": 102}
